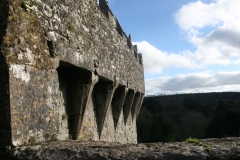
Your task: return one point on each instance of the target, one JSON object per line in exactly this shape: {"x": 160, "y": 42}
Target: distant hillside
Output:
{"x": 166, "y": 118}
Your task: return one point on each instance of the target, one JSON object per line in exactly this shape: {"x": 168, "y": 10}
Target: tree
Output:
{"x": 225, "y": 124}
{"x": 163, "y": 129}
{"x": 192, "y": 104}
{"x": 221, "y": 106}
{"x": 152, "y": 105}
{"x": 193, "y": 124}
{"x": 144, "y": 125}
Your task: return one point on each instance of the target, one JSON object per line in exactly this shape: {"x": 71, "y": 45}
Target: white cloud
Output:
{"x": 217, "y": 13}
{"x": 218, "y": 46}
{"x": 155, "y": 60}
{"x": 194, "y": 82}
{"x": 214, "y": 29}
{"x": 221, "y": 44}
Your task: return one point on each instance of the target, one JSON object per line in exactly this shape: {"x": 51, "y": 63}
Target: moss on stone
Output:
{"x": 24, "y": 5}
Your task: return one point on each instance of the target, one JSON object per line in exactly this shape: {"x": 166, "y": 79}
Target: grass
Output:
{"x": 64, "y": 116}
{"x": 196, "y": 141}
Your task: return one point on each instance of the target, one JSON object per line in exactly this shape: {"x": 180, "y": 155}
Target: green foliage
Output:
{"x": 24, "y": 5}
{"x": 231, "y": 102}
{"x": 152, "y": 105}
{"x": 221, "y": 106}
{"x": 194, "y": 140}
{"x": 197, "y": 142}
{"x": 207, "y": 147}
{"x": 163, "y": 129}
{"x": 192, "y": 104}
{"x": 166, "y": 118}
{"x": 144, "y": 125}
{"x": 225, "y": 124}
{"x": 193, "y": 124}
{"x": 64, "y": 116}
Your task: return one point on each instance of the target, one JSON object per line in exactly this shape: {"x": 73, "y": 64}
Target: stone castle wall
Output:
{"x": 67, "y": 70}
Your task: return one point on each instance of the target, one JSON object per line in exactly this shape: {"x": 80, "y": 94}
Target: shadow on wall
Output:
{"x": 78, "y": 87}
{"x": 5, "y": 128}
{"x": 72, "y": 84}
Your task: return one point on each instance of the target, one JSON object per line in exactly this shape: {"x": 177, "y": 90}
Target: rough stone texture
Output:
{"x": 212, "y": 149}
{"x": 34, "y": 114}
{"x": 67, "y": 70}
{"x": 5, "y": 118}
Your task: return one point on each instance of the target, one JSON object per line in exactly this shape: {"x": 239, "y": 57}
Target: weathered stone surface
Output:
{"x": 63, "y": 65}
{"x": 215, "y": 149}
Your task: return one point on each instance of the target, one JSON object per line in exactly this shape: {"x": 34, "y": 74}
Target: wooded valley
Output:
{"x": 170, "y": 118}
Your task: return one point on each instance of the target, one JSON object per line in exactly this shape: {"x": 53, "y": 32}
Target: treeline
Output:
{"x": 169, "y": 118}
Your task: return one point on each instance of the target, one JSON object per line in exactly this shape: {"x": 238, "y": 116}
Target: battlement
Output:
{"x": 104, "y": 7}
{"x": 67, "y": 71}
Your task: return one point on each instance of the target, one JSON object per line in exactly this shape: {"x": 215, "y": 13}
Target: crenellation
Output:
{"x": 129, "y": 43}
{"x": 130, "y": 38}
{"x": 135, "y": 51}
{"x": 67, "y": 70}
{"x": 103, "y": 4}
{"x": 124, "y": 38}
{"x": 140, "y": 58}
{"x": 119, "y": 29}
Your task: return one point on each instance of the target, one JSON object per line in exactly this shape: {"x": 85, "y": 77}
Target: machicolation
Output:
{"x": 67, "y": 70}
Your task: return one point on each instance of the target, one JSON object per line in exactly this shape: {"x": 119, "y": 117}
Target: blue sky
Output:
{"x": 188, "y": 46}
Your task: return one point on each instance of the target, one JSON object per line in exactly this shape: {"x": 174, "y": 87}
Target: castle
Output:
{"x": 67, "y": 71}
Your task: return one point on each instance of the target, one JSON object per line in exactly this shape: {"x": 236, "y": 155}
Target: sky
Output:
{"x": 188, "y": 46}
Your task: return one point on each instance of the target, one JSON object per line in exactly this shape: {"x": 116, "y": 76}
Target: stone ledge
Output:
{"x": 219, "y": 149}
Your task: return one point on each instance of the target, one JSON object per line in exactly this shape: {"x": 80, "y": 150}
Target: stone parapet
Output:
{"x": 211, "y": 149}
